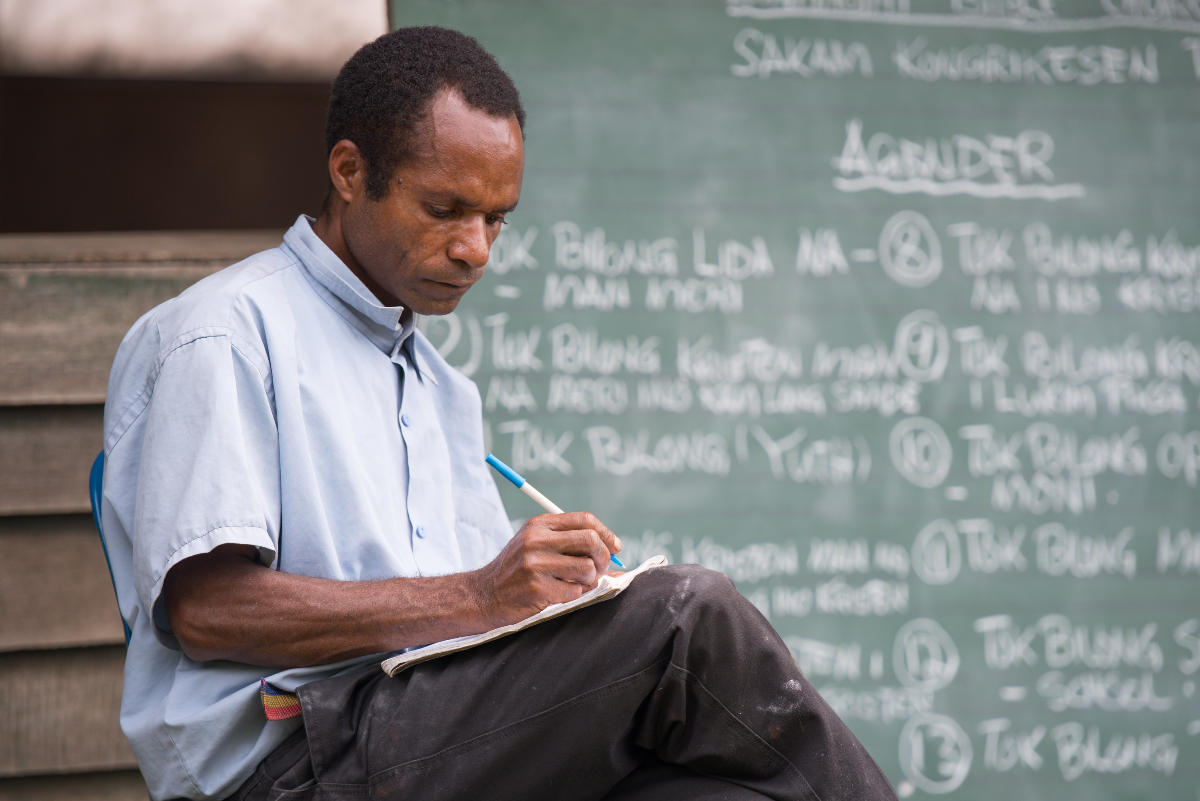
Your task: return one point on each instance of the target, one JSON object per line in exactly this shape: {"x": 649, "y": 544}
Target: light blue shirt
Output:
{"x": 276, "y": 404}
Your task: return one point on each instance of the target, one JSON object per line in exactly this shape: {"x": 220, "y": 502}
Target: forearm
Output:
{"x": 225, "y": 605}
{"x": 239, "y": 611}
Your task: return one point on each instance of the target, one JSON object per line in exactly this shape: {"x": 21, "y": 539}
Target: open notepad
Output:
{"x": 610, "y": 586}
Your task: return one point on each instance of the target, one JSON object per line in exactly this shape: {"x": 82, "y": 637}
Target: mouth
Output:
{"x": 449, "y": 288}
{"x": 459, "y": 286}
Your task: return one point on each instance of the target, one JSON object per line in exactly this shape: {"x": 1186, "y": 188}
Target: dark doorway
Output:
{"x": 79, "y": 154}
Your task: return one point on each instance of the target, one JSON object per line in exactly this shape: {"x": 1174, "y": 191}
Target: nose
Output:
{"x": 471, "y": 243}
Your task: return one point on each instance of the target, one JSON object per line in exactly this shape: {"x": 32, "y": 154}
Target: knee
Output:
{"x": 688, "y": 584}
{"x": 701, "y": 580}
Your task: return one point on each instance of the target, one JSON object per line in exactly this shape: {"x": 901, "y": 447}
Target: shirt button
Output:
{"x": 405, "y": 420}
{"x": 421, "y": 532}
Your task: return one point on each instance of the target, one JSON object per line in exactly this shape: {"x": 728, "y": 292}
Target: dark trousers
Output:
{"x": 677, "y": 688}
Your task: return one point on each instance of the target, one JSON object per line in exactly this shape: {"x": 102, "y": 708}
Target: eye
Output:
{"x": 439, "y": 212}
{"x": 496, "y": 219}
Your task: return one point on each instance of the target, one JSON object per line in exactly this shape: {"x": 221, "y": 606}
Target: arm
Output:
{"x": 225, "y": 605}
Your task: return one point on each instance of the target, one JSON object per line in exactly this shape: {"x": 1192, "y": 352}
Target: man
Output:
{"x": 295, "y": 488}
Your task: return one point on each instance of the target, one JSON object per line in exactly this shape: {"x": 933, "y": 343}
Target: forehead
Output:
{"x": 468, "y": 148}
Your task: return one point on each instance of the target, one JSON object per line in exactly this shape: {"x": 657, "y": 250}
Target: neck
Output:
{"x": 329, "y": 229}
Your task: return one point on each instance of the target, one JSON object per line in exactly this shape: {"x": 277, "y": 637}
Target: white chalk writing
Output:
{"x": 995, "y": 63}
{"x": 754, "y": 562}
{"x": 823, "y": 58}
{"x": 951, "y": 166}
{"x": 621, "y": 455}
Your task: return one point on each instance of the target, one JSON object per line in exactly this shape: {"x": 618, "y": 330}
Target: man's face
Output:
{"x": 425, "y": 244}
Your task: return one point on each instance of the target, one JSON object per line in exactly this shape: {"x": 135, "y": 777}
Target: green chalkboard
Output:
{"x": 890, "y": 310}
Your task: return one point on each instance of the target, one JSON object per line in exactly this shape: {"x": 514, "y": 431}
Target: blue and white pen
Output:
{"x": 527, "y": 488}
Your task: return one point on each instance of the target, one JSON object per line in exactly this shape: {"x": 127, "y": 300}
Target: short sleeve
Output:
{"x": 208, "y": 470}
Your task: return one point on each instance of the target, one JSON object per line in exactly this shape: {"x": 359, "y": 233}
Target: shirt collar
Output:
{"x": 387, "y": 327}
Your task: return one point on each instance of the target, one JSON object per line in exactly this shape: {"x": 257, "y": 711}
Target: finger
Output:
{"x": 544, "y": 553}
{"x": 582, "y": 543}
{"x": 580, "y": 520}
{"x": 606, "y": 572}
{"x": 611, "y": 541}
{"x": 555, "y": 591}
{"x": 563, "y": 522}
{"x": 576, "y": 543}
{"x": 571, "y": 591}
{"x": 575, "y": 570}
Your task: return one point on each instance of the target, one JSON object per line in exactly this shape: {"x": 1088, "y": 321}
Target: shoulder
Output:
{"x": 235, "y": 305}
{"x": 232, "y": 302}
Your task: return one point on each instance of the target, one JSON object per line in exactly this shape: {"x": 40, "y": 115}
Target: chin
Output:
{"x": 434, "y": 308}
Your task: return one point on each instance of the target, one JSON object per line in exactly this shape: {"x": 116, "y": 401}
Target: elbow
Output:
{"x": 193, "y": 617}
{"x": 201, "y": 599}
{"x": 191, "y": 624}
{"x": 195, "y": 646}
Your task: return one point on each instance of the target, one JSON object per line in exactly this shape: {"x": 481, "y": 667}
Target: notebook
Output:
{"x": 609, "y": 586}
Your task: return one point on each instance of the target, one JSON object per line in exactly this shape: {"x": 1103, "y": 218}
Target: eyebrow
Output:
{"x": 458, "y": 201}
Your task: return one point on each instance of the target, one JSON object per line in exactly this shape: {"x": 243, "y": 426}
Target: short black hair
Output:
{"x": 386, "y": 89}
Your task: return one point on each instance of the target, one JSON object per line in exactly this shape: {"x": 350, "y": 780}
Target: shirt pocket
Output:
{"x": 474, "y": 520}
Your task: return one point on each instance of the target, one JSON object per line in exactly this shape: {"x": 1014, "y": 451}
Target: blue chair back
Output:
{"x": 96, "y": 491}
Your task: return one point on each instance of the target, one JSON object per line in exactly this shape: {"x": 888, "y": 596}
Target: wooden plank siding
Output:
{"x": 48, "y": 451}
{"x": 62, "y": 325}
{"x": 55, "y": 591}
{"x": 66, "y": 301}
{"x": 116, "y": 785}
{"x": 150, "y": 247}
{"x": 61, "y": 711}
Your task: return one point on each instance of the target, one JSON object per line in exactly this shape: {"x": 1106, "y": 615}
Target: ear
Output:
{"x": 347, "y": 170}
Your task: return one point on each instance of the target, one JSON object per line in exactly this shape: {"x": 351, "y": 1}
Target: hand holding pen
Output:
{"x": 528, "y": 489}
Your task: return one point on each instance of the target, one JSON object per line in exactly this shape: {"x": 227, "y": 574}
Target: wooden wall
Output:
{"x": 66, "y": 301}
